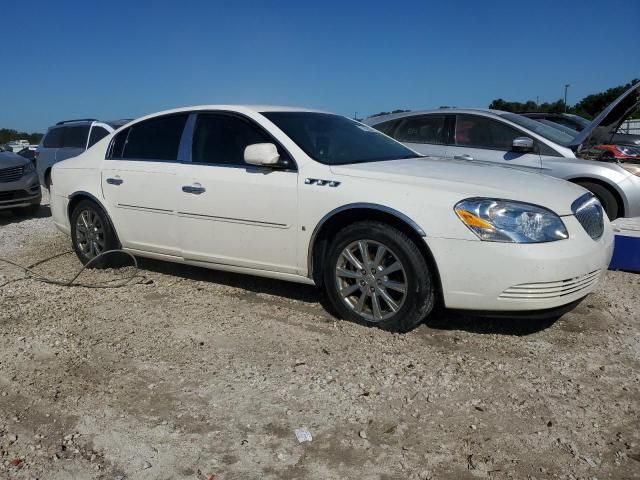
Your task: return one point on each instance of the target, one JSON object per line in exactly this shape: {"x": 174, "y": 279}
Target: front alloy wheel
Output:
{"x": 371, "y": 280}
{"x": 376, "y": 275}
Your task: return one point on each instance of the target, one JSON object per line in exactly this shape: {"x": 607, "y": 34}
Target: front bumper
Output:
{"x": 22, "y": 193}
{"x": 508, "y": 277}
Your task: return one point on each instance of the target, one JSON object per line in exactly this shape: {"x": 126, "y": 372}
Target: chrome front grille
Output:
{"x": 11, "y": 174}
{"x": 539, "y": 291}
{"x": 589, "y": 213}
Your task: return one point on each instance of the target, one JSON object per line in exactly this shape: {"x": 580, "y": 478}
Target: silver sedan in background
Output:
{"x": 493, "y": 136}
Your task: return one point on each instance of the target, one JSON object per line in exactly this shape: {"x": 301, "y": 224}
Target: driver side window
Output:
{"x": 221, "y": 139}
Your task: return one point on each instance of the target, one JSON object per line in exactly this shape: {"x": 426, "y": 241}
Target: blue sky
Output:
{"x": 114, "y": 59}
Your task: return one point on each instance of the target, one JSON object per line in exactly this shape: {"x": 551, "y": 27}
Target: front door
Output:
{"x": 483, "y": 139}
{"x": 232, "y": 213}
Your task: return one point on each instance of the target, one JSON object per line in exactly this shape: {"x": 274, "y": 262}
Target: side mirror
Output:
{"x": 265, "y": 154}
{"x": 522, "y": 145}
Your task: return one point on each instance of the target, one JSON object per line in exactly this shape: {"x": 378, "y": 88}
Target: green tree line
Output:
{"x": 8, "y": 134}
{"x": 588, "y": 107}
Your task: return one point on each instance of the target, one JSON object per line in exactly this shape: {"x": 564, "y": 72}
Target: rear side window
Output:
{"x": 75, "y": 137}
{"x": 155, "y": 139}
{"x": 221, "y": 139}
{"x": 387, "y": 127}
{"x": 424, "y": 129}
{"x": 97, "y": 134}
{"x": 53, "y": 138}
{"x": 482, "y": 132}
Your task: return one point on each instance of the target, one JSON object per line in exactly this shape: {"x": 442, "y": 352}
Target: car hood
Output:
{"x": 8, "y": 159}
{"x": 602, "y": 129}
{"x": 470, "y": 179}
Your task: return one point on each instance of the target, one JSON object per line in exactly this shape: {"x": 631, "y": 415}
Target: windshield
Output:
{"x": 336, "y": 140}
{"x": 557, "y": 126}
{"x": 546, "y": 131}
{"x": 581, "y": 120}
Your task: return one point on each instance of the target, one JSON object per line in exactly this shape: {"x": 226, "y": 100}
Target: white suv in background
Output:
{"x": 313, "y": 197}
{"x": 67, "y": 139}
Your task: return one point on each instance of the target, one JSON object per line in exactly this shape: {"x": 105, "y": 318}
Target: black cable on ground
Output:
{"x": 30, "y": 274}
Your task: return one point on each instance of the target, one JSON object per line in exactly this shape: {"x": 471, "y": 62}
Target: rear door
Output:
{"x": 140, "y": 185}
{"x": 483, "y": 139}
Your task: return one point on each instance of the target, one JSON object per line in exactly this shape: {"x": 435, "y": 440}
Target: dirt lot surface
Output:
{"x": 205, "y": 375}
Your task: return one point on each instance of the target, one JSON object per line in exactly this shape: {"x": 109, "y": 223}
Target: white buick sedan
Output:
{"x": 316, "y": 198}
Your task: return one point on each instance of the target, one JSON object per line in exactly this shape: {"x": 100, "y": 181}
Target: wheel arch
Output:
{"x": 79, "y": 196}
{"x": 604, "y": 184}
{"x": 347, "y": 214}
{"x": 46, "y": 177}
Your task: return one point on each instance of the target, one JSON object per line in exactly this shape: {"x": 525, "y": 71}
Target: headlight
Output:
{"x": 497, "y": 220}
{"x": 629, "y": 151}
{"x": 29, "y": 168}
{"x": 633, "y": 168}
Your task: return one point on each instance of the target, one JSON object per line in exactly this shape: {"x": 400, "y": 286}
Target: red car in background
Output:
{"x": 618, "y": 152}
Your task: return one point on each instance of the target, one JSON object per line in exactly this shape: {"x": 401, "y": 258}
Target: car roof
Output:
{"x": 246, "y": 109}
{"x": 89, "y": 121}
{"x": 239, "y": 108}
{"x": 385, "y": 118}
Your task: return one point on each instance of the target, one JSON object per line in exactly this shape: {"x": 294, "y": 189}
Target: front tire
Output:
{"x": 607, "y": 199}
{"x": 92, "y": 235}
{"x": 375, "y": 275}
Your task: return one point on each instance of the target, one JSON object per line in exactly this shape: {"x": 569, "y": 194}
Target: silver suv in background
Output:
{"x": 496, "y": 137}
{"x": 70, "y": 138}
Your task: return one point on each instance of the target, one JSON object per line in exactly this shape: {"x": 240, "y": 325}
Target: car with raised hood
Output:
{"x": 19, "y": 187}
{"x": 578, "y": 123}
{"x": 317, "y": 198}
{"x": 69, "y": 138}
{"x": 493, "y": 136}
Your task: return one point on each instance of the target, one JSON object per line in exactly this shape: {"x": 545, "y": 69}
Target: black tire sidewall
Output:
{"x": 421, "y": 293}
{"x": 607, "y": 199}
{"x": 111, "y": 242}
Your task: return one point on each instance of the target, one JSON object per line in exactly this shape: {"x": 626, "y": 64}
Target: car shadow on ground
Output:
{"x": 443, "y": 319}
{"x": 440, "y": 319}
{"x": 7, "y": 217}
{"x": 259, "y": 285}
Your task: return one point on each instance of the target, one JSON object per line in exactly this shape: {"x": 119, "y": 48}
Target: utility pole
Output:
{"x": 566, "y": 87}
{"x": 537, "y": 101}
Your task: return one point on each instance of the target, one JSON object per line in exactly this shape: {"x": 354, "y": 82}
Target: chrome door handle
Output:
{"x": 194, "y": 190}
{"x": 463, "y": 157}
{"x": 115, "y": 181}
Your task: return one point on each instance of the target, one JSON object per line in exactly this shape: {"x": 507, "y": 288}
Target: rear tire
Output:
{"x": 607, "y": 199}
{"x": 375, "y": 275}
{"x": 92, "y": 235}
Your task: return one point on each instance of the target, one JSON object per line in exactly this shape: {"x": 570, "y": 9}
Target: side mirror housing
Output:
{"x": 265, "y": 154}
{"x": 522, "y": 144}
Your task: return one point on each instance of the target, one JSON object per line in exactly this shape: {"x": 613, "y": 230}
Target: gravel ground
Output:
{"x": 197, "y": 374}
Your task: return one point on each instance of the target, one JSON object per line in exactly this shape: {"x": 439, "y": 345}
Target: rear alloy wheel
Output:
{"x": 376, "y": 275}
{"x": 91, "y": 234}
